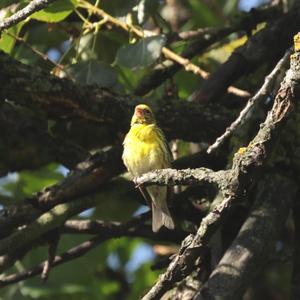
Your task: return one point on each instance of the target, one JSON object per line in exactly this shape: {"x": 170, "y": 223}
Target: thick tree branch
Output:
{"x": 22, "y": 14}
{"x": 88, "y": 177}
{"x": 54, "y": 218}
{"x": 251, "y": 249}
{"x": 27, "y": 142}
{"x": 246, "y": 168}
{"x": 103, "y": 114}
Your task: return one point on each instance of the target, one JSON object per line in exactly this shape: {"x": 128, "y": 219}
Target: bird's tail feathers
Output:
{"x": 161, "y": 217}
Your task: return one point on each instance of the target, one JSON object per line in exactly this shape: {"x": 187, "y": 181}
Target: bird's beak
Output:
{"x": 139, "y": 113}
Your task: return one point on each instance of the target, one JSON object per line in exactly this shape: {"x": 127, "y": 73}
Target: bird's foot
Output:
{"x": 136, "y": 184}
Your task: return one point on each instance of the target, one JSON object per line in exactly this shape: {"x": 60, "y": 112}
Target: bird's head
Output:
{"x": 143, "y": 115}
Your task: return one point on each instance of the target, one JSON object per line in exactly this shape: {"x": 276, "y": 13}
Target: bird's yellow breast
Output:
{"x": 145, "y": 149}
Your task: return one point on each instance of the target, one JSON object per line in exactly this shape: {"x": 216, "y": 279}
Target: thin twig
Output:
{"x": 166, "y": 69}
{"x": 71, "y": 254}
{"x": 262, "y": 93}
{"x": 192, "y": 34}
{"x": 186, "y": 63}
{"x": 52, "y": 248}
{"x": 40, "y": 54}
{"x": 246, "y": 59}
{"x": 22, "y": 14}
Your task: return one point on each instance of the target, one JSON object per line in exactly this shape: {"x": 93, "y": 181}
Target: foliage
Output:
{"x": 70, "y": 40}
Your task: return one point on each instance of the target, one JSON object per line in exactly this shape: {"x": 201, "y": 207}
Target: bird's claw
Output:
{"x": 136, "y": 184}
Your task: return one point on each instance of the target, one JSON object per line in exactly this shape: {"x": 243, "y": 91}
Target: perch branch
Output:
{"x": 181, "y": 177}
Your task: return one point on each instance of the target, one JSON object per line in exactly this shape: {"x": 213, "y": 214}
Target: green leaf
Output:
{"x": 93, "y": 72}
{"x": 56, "y": 11}
{"x": 143, "y": 53}
{"x": 7, "y": 40}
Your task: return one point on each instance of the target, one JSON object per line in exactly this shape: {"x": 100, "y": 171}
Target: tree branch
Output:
{"x": 250, "y": 250}
{"x": 276, "y": 36}
{"x": 135, "y": 228}
{"x": 22, "y": 14}
{"x": 261, "y": 94}
{"x": 27, "y": 142}
{"x": 46, "y": 222}
{"x": 105, "y": 115}
{"x": 167, "y": 68}
{"x": 245, "y": 170}
{"x": 88, "y": 177}
{"x": 168, "y": 53}
{"x": 181, "y": 177}
{"x": 104, "y": 231}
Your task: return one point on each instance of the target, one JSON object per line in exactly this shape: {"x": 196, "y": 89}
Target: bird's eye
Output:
{"x": 146, "y": 111}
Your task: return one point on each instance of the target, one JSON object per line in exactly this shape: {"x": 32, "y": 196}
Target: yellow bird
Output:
{"x": 146, "y": 149}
